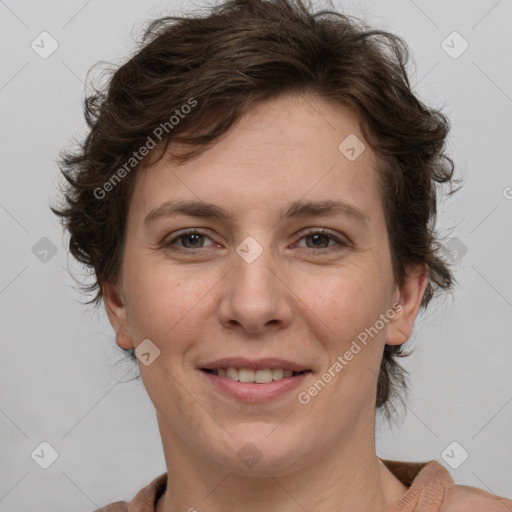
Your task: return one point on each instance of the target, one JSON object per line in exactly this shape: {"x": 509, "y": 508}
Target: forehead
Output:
{"x": 290, "y": 147}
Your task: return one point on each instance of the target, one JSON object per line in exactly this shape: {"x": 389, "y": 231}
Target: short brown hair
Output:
{"x": 222, "y": 62}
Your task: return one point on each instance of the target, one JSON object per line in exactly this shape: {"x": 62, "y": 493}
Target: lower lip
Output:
{"x": 253, "y": 392}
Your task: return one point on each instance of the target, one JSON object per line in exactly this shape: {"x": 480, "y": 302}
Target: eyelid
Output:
{"x": 342, "y": 242}
{"x": 184, "y": 232}
{"x": 340, "y": 239}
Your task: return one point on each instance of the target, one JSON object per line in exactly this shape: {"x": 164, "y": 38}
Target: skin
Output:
{"x": 297, "y": 301}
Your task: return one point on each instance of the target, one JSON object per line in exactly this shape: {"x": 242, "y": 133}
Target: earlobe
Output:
{"x": 124, "y": 341}
{"x": 116, "y": 312}
{"x": 409, "y": 300}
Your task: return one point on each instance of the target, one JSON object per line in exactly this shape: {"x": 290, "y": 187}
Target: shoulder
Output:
{"x": 144, "y": 501}
{"x": 432, "y": 489}
{"x": 118, "y": 506}
{"x": 460, "y": 498}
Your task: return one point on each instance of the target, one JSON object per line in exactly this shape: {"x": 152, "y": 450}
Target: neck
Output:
{"x": 346, "y": 478}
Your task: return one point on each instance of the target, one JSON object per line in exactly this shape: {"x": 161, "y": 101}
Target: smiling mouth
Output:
{"x": 263, "y": 376}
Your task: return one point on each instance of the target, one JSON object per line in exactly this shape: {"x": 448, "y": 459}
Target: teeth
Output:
{"x": 232, "y": 374}
{"x": 263, "y": 376}
{"x": 247, "y": 375}
{"x": 277, "y": 373}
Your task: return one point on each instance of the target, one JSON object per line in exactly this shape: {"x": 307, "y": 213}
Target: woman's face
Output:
{"x": 256, "y": 284}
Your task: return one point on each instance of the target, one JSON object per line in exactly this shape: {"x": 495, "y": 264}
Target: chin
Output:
{"x": 259, "y": 450}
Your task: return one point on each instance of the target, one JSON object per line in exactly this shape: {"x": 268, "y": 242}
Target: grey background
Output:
{"x": 58, "y": 381}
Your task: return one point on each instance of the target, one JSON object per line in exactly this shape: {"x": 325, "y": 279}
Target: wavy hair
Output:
{"x": 226, "y": 59}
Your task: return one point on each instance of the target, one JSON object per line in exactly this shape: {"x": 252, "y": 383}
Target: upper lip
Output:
{"x": 253, "y": 364}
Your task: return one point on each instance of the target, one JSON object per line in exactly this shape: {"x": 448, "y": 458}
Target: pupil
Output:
{"x": 317, "y": 237}
{"x": 188, "y": 237}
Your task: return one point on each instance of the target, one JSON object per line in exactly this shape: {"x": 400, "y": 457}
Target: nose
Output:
{"x": 255, "y": 296}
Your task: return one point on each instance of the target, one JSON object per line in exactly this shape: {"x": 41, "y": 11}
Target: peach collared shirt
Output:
{"x": 431, "y": 489}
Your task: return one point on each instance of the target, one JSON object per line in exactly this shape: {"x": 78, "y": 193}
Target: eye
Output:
{"x": 193, "y": 239}
{"x": 189, "y": 240}
{"x": 321, "y": 237}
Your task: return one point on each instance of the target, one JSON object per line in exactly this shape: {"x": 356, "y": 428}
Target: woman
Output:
{"x": 256, "y": 198}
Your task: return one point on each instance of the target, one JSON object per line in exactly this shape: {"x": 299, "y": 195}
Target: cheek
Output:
{"x": 163, "y": 303}
{"x": 346, "y": 301}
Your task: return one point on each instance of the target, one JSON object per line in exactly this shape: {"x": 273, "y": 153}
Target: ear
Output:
{"x": 409, "y": 297}
{"x": 116, "y": 312}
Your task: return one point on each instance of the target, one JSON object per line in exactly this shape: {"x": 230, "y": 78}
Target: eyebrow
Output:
{"x": 296, "y": 209}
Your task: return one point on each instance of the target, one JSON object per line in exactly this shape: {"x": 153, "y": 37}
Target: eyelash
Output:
{"x": 311, "y": 232}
